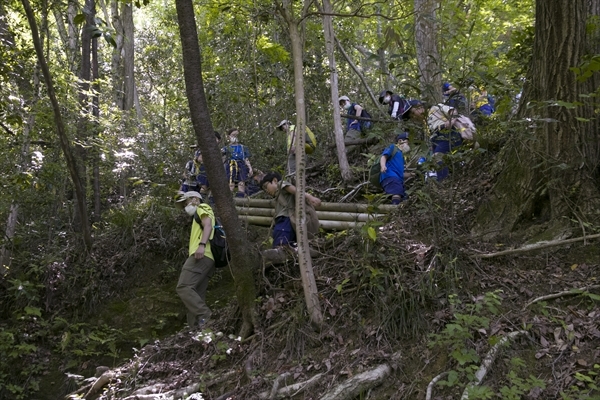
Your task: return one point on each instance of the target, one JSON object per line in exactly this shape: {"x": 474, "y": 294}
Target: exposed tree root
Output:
{"x": 352, "y": 387}
{"x": 488, "y": 361}
{"x": 432, "y": 384}
{"x": 571, "y": 292}
{"x": 104, "y": 379}
{"x": 291, "y": 390}
{"x": 143, "y": 393}
{"x": 537, "y": 246}
{"x": 277, "y": 383}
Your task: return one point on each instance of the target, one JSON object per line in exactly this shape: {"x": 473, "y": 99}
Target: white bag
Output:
{"x": 465, "y": 127}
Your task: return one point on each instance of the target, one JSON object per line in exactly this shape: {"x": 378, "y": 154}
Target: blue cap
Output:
{"x": 446, "y": 86}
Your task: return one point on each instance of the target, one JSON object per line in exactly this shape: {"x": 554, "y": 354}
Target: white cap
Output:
{"x": 183, "y": 196}
{"x": 285, "y": 121}
{"x": 344, "y": 98}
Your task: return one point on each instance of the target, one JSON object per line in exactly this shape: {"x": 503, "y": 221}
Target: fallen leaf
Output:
{"x": 540, "y": 354}
{"x": 574, "y": 267}
{"x": 582, "y": 362}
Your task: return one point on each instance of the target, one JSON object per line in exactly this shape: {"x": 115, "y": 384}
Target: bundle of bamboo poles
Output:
{"x": 332, "y": 216}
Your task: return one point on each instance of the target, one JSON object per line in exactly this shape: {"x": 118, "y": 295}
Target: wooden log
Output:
{"x": 323, "y": 215}
{"x": 340, "y": 207}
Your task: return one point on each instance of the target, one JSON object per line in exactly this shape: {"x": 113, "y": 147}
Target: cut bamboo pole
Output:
{"x": 323, "y": 215}
{"x": 339, "y": 207}
{"x": 327, "y": 225}
{"x": 256, "y": 211}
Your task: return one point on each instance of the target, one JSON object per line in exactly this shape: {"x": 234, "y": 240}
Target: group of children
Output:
{"x": 447, "y": 129}
{"x": 446, "y": 124}
{"x": 236, "y": 161}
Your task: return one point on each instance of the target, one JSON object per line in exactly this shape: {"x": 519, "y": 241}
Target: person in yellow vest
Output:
{"x": 200, "y": 264}
{"x": 309, "y": 140}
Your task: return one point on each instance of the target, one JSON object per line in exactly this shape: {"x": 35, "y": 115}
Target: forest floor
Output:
{"x": 417, "y": 303}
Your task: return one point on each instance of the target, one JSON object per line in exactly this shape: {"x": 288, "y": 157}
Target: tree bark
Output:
{"x": 243, "y": 260}
{"x": 128, "y": 55}
{"x": 551, "y": 172}
{"x": 426, "y": 44}
{"x": 64, "y": 140}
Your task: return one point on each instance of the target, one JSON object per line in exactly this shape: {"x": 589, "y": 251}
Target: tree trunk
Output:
{"x": 69, "y": 34}
{"x": 116, "y": 60}
{"x": 96, "y": 114}
{"x": 311, "y": 294}
{"x": 64, "y": 140}
{"x": 128, "y": 55}
{"x": 84, "y": 125}
{"x": 26, "y": 91}
{"x": 338, "y": 131}
{"x": 428, "y": 57}
{"x": 551, "y": 171}
{"x": 243, "y": 260}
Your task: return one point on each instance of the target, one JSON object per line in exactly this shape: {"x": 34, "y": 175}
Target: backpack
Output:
{"x": 375, "y": 170}
{"x": 310, "y": 141}
{"x": 218, "y": 244}
{"x": 365, "y": 125}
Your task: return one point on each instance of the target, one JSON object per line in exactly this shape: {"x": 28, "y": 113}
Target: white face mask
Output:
{"x": 404, "y": 147}
{"x": 347, "y": 105}
{"x": 387, "y": 99}
{"x": 190, "y": 209}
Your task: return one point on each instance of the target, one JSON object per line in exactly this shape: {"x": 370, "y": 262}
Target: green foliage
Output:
{"x": 586, "y": 387}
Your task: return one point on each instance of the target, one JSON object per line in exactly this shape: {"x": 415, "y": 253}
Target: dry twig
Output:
{"x": 571, "y": 292}
{"x": 489, "y": 359}
{"x": 537, "y": 246}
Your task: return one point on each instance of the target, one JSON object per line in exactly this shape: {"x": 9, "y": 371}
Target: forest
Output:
{"x": 481, "y": 284}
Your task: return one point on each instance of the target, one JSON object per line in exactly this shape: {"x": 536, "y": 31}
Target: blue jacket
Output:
{"x": 394, "y": 164}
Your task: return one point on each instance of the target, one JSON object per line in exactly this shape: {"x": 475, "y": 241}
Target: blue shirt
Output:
{"x": 394, "y": 164}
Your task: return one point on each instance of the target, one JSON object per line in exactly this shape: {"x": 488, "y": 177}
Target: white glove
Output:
{"x": 394, "y": 115}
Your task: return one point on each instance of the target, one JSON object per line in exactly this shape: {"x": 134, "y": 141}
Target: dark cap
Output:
{"x": 402, "y": 136}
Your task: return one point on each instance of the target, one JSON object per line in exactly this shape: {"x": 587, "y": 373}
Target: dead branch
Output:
{"x": 353, "y": 192}
{"x": 537, "y": 246}
{"x": 570, "y": 292}
{"x": 432, "y": 384}
{"x": 488, "y": 361}
{"x": 352, "y": 387}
